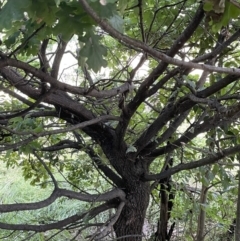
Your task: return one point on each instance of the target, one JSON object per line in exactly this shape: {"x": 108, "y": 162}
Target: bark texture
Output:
{"x": 237, "y": 230}
{"x": 130, "y": 223}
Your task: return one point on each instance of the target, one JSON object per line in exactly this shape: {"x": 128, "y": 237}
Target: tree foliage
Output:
{"x": 129, "y": 108}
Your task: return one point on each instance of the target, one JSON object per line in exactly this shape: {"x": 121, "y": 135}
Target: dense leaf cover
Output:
{"x": 128, "y": 106}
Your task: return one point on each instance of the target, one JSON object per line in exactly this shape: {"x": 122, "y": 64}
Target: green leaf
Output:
{"x": 122, "y": 4}
{"x": 71, "y": 15}
{"x": 117, "y": 22}
{"x": 104, "y": 11}
{"x": 12, "y": 11}
{"x": 215, "y": 169}
{"x": 43, "y": 11}
{"x": 57, "y": 2}
{"x": 16, "y": 120}
{"x": 38, "y": 129}
{"x": 226, "y": 15}
{"x": 231, "y": 64}
{"x": 234, "y": 11}
{"x": 94, "y": 52}
{"x": 208, "y": 6}
{"x": 11, "y": 39}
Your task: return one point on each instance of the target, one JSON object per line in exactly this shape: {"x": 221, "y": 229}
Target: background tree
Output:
{"x": 132, "y": 117}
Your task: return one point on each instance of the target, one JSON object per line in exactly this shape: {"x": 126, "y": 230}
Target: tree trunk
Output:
{"x": 166, "y": 197}
{"x": 166, "y": 203}
{"x": 237, "y": 229}
{"x": 130, "y": 223}
{"x": 202, "y": 214}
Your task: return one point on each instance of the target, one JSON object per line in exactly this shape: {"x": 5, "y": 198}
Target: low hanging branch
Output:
{"x": 106, "y": 229}
{"x": 60, "y": 224}
{"x": 59, "y": 192}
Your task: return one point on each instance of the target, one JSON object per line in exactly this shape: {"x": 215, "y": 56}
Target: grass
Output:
{"x": 14, "y": 189}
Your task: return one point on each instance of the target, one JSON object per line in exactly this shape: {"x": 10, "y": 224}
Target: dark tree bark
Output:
{"x": 166, "y": 203}
{"x": 231, "y": 231}
{"x": 237, "y": 229}
{"x": 130, "y": 223}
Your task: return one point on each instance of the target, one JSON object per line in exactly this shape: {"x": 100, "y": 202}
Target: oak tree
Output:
{"x": 129, "y": 97}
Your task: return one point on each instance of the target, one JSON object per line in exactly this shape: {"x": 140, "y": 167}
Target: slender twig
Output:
{"x": 103, "y": 232}
{"x": 47, "y": 169}
{"x": 26, "y": 41}
{"x": 31, "y": 107}
{"x": 141, "y": 20}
